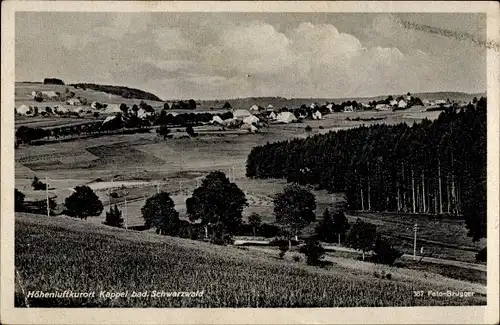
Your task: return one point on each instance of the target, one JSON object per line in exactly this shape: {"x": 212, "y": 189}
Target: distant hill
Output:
{"x": 279, "y": 102}
{"x": 122, "y": 91}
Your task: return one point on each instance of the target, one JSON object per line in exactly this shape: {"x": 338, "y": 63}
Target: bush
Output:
{"x": 18, "y": 200}
{"x": 481, "y": 256}
{"x": 385, "y": 253}
{"x": 296, "y": 258}
{"x": 313, "y": 251}
{"x": 308, "y": 128}
{"x": 190, "y": 131}
{"x": 283, "y": 247}
{"x": 388, "y": 276}
{"x": 83, "y": 203}
{"x": 38, "y": 185}
{"x": 114, "y": 217}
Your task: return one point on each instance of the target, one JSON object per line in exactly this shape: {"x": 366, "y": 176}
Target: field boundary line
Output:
{"x": 26, "y": 302}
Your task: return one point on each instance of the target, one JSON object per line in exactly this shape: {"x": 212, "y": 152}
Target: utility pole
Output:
{"x": 47, "y": 195}
{"x": 234, "y": 177}
{"x": 157, "y": 188}
{"x": 126, "y": 215}
{"x": 180, "y": 187}
{"x": 415, "y": 227}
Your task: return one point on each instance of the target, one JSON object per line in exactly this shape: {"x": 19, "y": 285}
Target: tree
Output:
{"x": 308, "y": 128}
{"x": 165, "y": 106}
{"x": 226, "y": 105}
{"x": 294, "y": 209}
{"x": 37, "y": 184}
{"x": 83, "y": 203}
{"x": 474, "y": 100}
{"x": 124, "y": 108}
{"x": 163, "y": 130}
{"x": 159, "y": 212}
{"x": 362, "y": 236}
{"x": 192, "y": 104}
{"x": 313, "y": 251}
{"x": 255, "y": 220}
{"x": 384, "y": 252}
{"x": 190, "y": 131}
{"x": 333, "y": 229}
{"x": 18, "y": 200}
{"x": 135, "y": 108}
{"x": 96, "y": 114}
{"x": 114, "y": 217}
{"x": 217, "y": 202}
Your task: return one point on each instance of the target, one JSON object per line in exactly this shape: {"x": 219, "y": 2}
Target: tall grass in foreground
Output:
{"x": 54, "y": 259}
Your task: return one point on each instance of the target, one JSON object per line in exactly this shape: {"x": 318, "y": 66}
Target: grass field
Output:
{"x": 55, "y": 254}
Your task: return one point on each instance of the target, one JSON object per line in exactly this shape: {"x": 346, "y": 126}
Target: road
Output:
{"x": 441, "y": 261}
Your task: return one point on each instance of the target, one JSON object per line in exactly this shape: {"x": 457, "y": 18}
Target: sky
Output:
{"x": 229, "y": 55}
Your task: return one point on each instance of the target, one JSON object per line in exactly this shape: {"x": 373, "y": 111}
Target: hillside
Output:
{"x": 123, "y": 91}
{"x": 117, "y": 260}
{"x": 23, "y": 95}
{"x": 279, "y": 102}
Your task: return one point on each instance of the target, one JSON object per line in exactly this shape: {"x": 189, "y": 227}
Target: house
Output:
{"x": 270, "y": 107}
{"x": 393, "y": 102}
{"x": 112, "y": 108}
{"x": 382, "y": 107}
{"x": 250, "y": 128}
{"x": 330, "y": 107}
{"x": 141, "y": 113}
{"x": 440, "y": 102}
{"x": 95, "y": 105}
{"x": 426, "y": 102}
{"x": 50, "y": 94}
{"x": 241, "y": 113}
{"x": 317, "y": 115}
{"x": 408, "y": 98}
{"x": 402, "y": 104}
{"x": 312, "y": 106}
{"x": 286, "y": 117}
{"x": 216, "y": 120}
{"x": 73, "y": 101}
{"x": 272, "y": 116}
{"x": 348, "y": 109}
{"x": 254, "y": 107}
{"x": 251, "y": 119}
{"x": 365, "y": 106}
{"x": 108, "y": 119}
{"x": 231, "y": 122}
{"x": 23, "y": 110}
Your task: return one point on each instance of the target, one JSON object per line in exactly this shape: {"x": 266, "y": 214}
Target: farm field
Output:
{"x": 90, "y": 255}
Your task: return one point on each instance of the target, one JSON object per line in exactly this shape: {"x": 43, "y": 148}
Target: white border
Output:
{"x": 424, "y": 315}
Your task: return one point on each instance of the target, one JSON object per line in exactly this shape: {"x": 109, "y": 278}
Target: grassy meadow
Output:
{"x": 54, "y": 254}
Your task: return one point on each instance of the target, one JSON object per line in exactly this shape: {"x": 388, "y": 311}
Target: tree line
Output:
{"x": 122, "y": 91}
{"x": 434, "y": 167}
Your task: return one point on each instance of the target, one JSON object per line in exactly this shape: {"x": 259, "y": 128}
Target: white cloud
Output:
{"x": 169, "y": 39}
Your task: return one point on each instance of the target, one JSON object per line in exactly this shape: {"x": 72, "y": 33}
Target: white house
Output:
{"x": 94, "y": 105}
{"x": 251, "y": 119}
{"x": 109, "y": 118}
{"x": 230, "y": 122}
{"x": 426, "y": 102}
{"x": 348, "y": 109}
{"x": 141, "y": 113}
{"x": 382, "y": 107}
{"x": 270, "y": 107}
{"x": 23, "y": 110}
{"x": 393, "y": 102}
{"x": 408, "y": 98}
{"x": 317, "y": 115}
{"x": 440, "y": 101}
{"x": 254, "y": 107}
{"x": 241, "y": 113}
{"x": 50, "y": 94}
{"x": 365, "y": 105}
{"x": 272, "y": 116}
{"x": 402, "y": 104}
{"x": 216, "y": 120}
{"x": 250, "y": 128}
{"x": 286, "y": 117}
{"x": 73, "y": 101}
{"x": 330, "y": 107}
{"x": 312, "y": 106}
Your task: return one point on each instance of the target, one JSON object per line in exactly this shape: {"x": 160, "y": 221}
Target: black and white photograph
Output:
{"x": 260, "y": 159}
